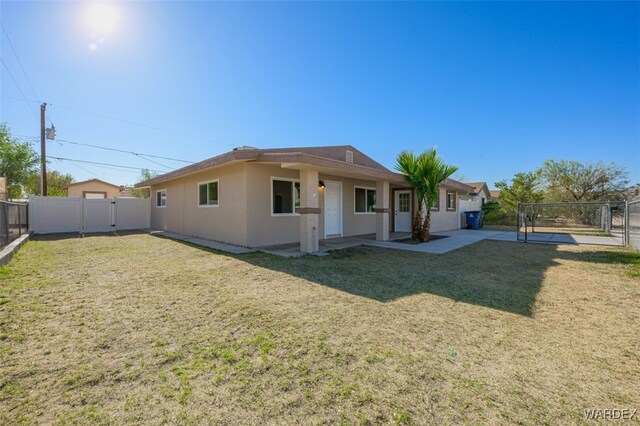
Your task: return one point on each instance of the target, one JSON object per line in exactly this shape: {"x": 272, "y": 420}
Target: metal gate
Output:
{"x": 599, "y": 223}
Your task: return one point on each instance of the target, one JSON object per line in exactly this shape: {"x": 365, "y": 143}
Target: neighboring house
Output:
{"x": 480, "y": 194}
{"x": 260, "y": 197}
{"x": 93, "y": 188}
{"x": 494, "y": 195}
{"x": 4, "y": 194}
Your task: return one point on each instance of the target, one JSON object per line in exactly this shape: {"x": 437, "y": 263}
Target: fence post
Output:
{"x": 5, "y": 208}
{"x": 19, "y": 222}
{"x": 625, "y": 223}
{"x": 518, "y": 223}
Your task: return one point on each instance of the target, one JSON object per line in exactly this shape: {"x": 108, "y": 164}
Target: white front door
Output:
{"x": 402, "y": 222}
{"x": 332, "y": 209}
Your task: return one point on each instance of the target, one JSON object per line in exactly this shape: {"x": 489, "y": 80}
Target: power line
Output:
{"x": 19, "y": 61}
{"x": 95, "y": 175}
{"x": 62, "y": 141}
{"x": 105, "y": 164}
{"x": 124, "y": 151}
{"x": 18, "y": 86}
{"x": 148, "y": 126}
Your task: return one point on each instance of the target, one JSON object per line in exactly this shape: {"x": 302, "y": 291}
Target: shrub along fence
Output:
{"x": 14, "y": 221}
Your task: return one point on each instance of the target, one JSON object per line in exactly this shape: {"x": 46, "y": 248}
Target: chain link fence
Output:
{"x": 14, "y": 221}
{"x": 633, "y": 224}
{"x": 600, "y": 223}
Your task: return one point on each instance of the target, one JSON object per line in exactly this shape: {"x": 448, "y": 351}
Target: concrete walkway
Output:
{"x": 228, "y": 248}
{"x": 456, "y": 239}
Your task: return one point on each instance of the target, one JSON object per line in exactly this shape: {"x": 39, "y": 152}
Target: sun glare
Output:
{"x": 102, "y": 18}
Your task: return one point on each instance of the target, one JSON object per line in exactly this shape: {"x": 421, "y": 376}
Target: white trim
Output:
{"x": 396, "y": 201}
{"x": 365, "y": 213}
{"x": 293, "y": 194}
{"x": 198, "y": 193}
{"x": 165, "y": 199}
{"x": 341, "y": 209}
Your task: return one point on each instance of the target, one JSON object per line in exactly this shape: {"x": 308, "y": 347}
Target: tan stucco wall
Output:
{"x": 352, "y": 223}
{"x": 263, "y": 228}
{"x": 441, "y": 219}
{"x": 77, "y": 190}
{"x": 244, "y": 215}
{"x": 227, "y": 222}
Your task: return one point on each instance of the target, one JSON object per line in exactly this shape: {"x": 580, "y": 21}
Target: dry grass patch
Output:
{"x": 141, "y": 329}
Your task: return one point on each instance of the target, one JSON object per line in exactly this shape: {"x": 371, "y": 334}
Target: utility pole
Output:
{"x": 43, "y": 153}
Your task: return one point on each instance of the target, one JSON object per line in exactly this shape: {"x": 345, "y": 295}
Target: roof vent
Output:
{"x": 244, "y": 148}
{"x": 349, "y": 158}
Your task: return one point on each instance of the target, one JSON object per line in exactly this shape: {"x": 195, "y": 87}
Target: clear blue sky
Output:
{"x": 497, "y": 87}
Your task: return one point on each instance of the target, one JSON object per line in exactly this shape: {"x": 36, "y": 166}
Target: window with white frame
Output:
{"x": 451, "y": 200}
{"x": 285, "y": 196}
{"x": 365, "y": 200}
{"x": 208, "y": 193}
{"x": 161, "y": 198}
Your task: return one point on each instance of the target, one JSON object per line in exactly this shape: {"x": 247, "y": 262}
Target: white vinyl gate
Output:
{"x": 48, "y": 215}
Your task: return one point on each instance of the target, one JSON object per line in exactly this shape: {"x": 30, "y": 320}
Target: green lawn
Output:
{"x": 142, "y": 329}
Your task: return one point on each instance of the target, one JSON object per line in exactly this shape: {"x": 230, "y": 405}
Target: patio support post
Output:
{"x": 309, "y": 211}
{"x": 382, "y": 211}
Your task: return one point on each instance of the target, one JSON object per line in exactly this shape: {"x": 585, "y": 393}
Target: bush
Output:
{"x": 495, "y": 214}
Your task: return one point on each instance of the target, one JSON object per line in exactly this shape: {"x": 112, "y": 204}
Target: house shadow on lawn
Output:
{"x": 500, "y": 275}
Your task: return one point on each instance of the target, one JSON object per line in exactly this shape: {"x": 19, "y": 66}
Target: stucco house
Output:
{"x": 93, "y": 188}
{"x": 480, "y": 193}
{"x": 260, "y": 197}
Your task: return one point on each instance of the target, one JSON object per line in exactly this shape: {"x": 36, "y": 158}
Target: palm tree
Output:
{"x": 424, "y": 173}
{"x": 434, "y": 171}
{"x": 409, "y": 165}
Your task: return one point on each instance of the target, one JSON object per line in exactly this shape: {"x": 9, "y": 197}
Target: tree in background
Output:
{"x": 523, "y": 188}
{"x": 18, "y": 161}
{"x": 425, "y": 173}
{"x": 145, "y": 174}
{"x": 573, "y": 181}
{"x": 56, "y": 182}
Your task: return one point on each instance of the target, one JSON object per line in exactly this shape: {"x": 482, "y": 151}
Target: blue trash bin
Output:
{"x": 473, "y": 219}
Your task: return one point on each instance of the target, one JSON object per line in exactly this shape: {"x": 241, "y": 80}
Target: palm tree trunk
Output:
{"x": 425, "y": 235}
{"x": 417, "y": 225}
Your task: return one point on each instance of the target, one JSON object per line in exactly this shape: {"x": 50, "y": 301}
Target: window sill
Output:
{"x": 364, "y": 213}
{"x": 208, "y": 205}
{"x": 284, "y": 214}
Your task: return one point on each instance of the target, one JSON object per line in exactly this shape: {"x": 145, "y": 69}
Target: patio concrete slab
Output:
{"x": 456, "y": 239}
{"x": 329, "y": 244}
{"x": 216, "y": 245}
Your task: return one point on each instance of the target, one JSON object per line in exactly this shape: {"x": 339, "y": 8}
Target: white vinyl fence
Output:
{"x": 48, "y": 215}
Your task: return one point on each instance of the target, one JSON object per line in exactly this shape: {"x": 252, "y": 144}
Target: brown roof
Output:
{"x": 323, "y": 157}
{"x": 454, "y": 184}
{"x": 90, "y": 180}
{"x": 477, "y": 187}
{"x": 330, "y": 157}
{"x": 495, "y": 193}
